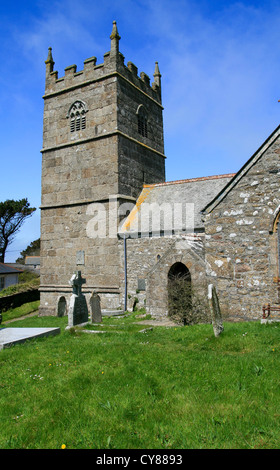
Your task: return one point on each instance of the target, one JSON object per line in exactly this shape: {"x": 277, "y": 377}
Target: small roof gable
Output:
{"x": 191, "y": 194}
{"x": 6, "y": 269}
{"x": 245, "y": 168}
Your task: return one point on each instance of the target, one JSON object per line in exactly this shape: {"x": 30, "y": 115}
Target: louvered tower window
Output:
{"x": 77, "y": 115}
{"x": 142, "y": 121}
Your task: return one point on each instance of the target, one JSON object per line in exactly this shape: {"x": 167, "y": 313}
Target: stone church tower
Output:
{"x": 102, "y": 140}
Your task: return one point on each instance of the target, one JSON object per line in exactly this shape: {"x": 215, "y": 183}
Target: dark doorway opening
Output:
{"x": 180, "y": 293}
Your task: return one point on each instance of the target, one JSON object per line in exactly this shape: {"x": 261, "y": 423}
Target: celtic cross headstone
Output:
{"x": 78, "y": 310}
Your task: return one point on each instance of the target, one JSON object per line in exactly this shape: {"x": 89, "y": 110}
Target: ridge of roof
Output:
{"x": 190, "y": 180}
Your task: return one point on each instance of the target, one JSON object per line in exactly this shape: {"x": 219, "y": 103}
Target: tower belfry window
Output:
{"x": 77, "y": 115}
{"x": 142, "y": 121}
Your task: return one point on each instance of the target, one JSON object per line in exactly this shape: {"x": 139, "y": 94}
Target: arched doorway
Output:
{"x": 179, "y": 293}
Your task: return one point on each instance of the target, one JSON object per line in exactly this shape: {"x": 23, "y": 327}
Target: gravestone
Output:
{"x": 78, "y": 311}
{"x": 214, "y": 305}
{"x": 61, "y": 307}
{"x": 95, "y": 306}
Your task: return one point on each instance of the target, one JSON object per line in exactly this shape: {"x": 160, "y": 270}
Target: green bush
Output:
{"x": 32, "y": 283}
{"x": 28, "y": 276}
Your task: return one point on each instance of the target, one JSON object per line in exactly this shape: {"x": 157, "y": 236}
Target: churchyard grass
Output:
{"x": 18, "y": 312}
{"x": 164, "y": 388}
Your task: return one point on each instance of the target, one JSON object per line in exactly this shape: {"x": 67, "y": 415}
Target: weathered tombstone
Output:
{"x": 95, "y": 306}
{"x": 78, "y": 311}
{"x": 61, "y": 307}
{"x": 214, "y": 305}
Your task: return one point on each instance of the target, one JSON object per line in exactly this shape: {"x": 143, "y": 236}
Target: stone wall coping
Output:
{"x": 86, "y": 289}
{"x": 94, "y": 80}
{"x": 113, "y": 197}
{"x": 107, "y": 134}
{"x": 190, "y": 180}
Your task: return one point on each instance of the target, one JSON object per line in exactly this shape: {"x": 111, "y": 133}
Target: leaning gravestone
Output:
{"x": 214, "y": 305}
{"x": 95, "y": 306}
{"x": 78, "y": 311}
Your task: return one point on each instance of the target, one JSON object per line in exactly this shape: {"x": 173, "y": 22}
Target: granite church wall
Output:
{"x": 77, "y": 238}
{"x": 148, "y": 263}
{"x": 240, "y": 243}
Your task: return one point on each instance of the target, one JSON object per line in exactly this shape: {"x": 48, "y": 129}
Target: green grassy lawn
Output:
{"x": 166, "y": 388}
{"x": 18, "y": 312}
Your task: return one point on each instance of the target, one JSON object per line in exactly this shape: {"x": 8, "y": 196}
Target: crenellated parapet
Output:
{"x": 113, "y": 64}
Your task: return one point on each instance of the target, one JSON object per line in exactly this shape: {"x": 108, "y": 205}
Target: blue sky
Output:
{"x": 220, "y": 66}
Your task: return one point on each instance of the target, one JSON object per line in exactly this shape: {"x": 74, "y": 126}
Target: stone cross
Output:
{"x": 78, "y": 311}
{"x": 77, "y": 281}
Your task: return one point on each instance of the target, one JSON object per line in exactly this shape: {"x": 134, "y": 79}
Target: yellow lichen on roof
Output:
{"x": 144, "y": 194}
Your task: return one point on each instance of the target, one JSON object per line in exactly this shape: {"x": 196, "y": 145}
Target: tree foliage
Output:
{"x": 12, "y": 215}
{"x": 32, "y": 250}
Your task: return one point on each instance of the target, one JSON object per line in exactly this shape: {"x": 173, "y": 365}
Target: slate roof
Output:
{"x": 6, "y": 269}
{"x": 197, "y": 192}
